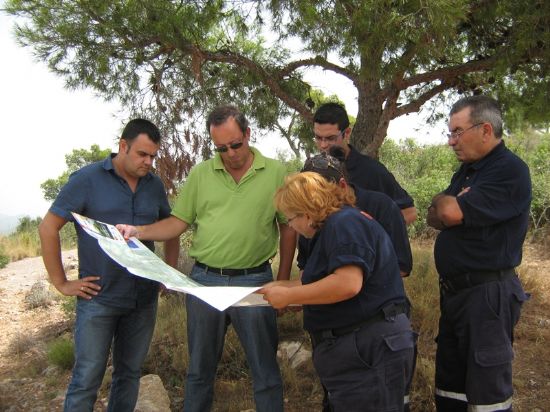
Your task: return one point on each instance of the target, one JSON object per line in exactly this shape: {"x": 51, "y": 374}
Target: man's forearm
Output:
{"x": 432, "y": 219}
{"x": 287, "y": 247}
{"x": 50, "y": 244}
{"x": 171, "y": 251}
{"x": 409, "y": 214}
{"x": 163, "y": 230}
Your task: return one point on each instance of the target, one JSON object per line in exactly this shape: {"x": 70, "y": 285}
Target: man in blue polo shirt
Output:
{"x": 114, "y": 308}
{"x": 331, "y": 127}
{"x": 483, "y": 217}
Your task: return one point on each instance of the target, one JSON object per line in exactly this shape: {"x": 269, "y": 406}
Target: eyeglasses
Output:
{"x": 329, "y": 139}
{"x": 322, "y": 162}
{"x": 224, "y": 148}
{"x": 456, "y": 135}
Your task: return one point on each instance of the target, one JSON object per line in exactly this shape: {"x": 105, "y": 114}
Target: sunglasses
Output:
{"x": 323, "y": 163}
{"x": 225, "y": 147}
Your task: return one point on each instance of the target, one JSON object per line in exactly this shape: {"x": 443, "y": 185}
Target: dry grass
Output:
{"x": 40, "y": 296}
{"x": 423, "y": 291}
{"x": 233, "y": 389}
{"x": 20, "y": 246}
{"x": 21, "y": 344}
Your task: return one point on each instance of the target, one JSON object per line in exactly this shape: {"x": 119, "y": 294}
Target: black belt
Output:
{"x": 468, "y": 280}
{"x": 235, "y": 272}
{"x": 388, "y": 313}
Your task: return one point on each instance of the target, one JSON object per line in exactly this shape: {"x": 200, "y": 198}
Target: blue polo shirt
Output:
{"x": 96, "y": 191}
{"x": 496, "y": 215}
{"x": 368, "y": 173}
{"x": 384, "y": 211}
{"x": 348, "y": 237}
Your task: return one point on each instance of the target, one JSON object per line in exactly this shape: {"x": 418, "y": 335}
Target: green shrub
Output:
{"x": 61, "y": 352}
{"x": 4, "y": 260}
{"x": 425, "y": 170}
{"x": 68, "y": 307}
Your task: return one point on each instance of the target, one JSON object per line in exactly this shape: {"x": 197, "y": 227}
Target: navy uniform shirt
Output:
{"x": 348, "y": 237}
{"x": 496, "y": 214}
{"x": 368, "y": 173}
{"x": 96, "y": 191}
{"x": 384, "y": 211}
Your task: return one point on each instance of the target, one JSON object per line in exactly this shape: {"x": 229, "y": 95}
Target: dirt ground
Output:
{"x": 27, "y": 383}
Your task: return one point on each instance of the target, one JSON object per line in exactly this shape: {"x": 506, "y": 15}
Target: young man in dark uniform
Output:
{"x": 378, "y": 205}
{"x": 483, "y": 217}
{"x": 331, "y": 128}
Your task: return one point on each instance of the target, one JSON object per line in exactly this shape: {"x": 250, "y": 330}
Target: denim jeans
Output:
{"x": 256, "y": 328}
{"x": 97, "y": 327}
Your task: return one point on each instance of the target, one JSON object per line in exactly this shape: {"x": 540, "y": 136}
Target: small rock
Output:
{"x": 51, "y": 370}
{"x": 152, "y": 395}
{"x": 294, "y": 352}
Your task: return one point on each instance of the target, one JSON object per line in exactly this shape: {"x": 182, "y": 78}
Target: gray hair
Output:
{"x": 483, "y": 109}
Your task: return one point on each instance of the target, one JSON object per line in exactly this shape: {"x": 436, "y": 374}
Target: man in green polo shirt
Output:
{"x": 230, "y": 200}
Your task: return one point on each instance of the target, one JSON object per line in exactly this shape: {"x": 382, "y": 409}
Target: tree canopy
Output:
{"x": 174, "y": 60}
{"x": 74, "y": 161}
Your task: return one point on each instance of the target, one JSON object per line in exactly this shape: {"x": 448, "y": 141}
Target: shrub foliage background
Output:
{"x": 424, "y": 170}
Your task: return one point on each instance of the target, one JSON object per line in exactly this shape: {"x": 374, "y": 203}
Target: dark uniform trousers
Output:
{"x": 369, "y": 368}
{"x": 474, "y": 346}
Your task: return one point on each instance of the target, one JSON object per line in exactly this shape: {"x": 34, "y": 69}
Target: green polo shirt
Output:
{"x": 236, "y": 223}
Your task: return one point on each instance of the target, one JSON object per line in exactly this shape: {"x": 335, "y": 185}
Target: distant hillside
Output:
{"x": 8, "y": 223}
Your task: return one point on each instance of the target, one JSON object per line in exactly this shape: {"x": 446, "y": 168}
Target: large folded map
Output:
{"x": 140, "y": 261}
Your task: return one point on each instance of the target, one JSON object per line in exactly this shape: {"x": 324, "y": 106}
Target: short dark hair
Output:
{"x": 332, "y": 113}
{"x": 221, "y": 114}
{"x": 136, "y": 127}
{"x": 483, "y": 109}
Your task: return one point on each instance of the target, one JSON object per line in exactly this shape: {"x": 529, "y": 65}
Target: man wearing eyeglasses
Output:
{"x": 230, "y": 200}
{"x": 378, "y": 205}
{"x": 331, "y": 128}
{"x": 483, "y": 217}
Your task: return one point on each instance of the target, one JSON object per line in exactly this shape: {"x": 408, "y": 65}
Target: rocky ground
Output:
{"x": 27, "y": 383}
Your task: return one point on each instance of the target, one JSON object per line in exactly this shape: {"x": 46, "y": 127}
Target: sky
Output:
{"x": 42, "y": 121}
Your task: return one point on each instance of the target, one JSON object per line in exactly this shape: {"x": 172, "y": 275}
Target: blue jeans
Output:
{"x": 256, "y": 328}
{"x": 97, "y": 327}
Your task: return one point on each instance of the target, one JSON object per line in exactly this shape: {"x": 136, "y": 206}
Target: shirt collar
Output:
{"x": 108, "y": 165}
{"x": 108, "y": 162}
{"x": 498, "y": 149}
{"x": 354, "y": 157}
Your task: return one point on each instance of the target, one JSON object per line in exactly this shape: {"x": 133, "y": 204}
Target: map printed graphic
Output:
{"x": 140, "y": 261}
